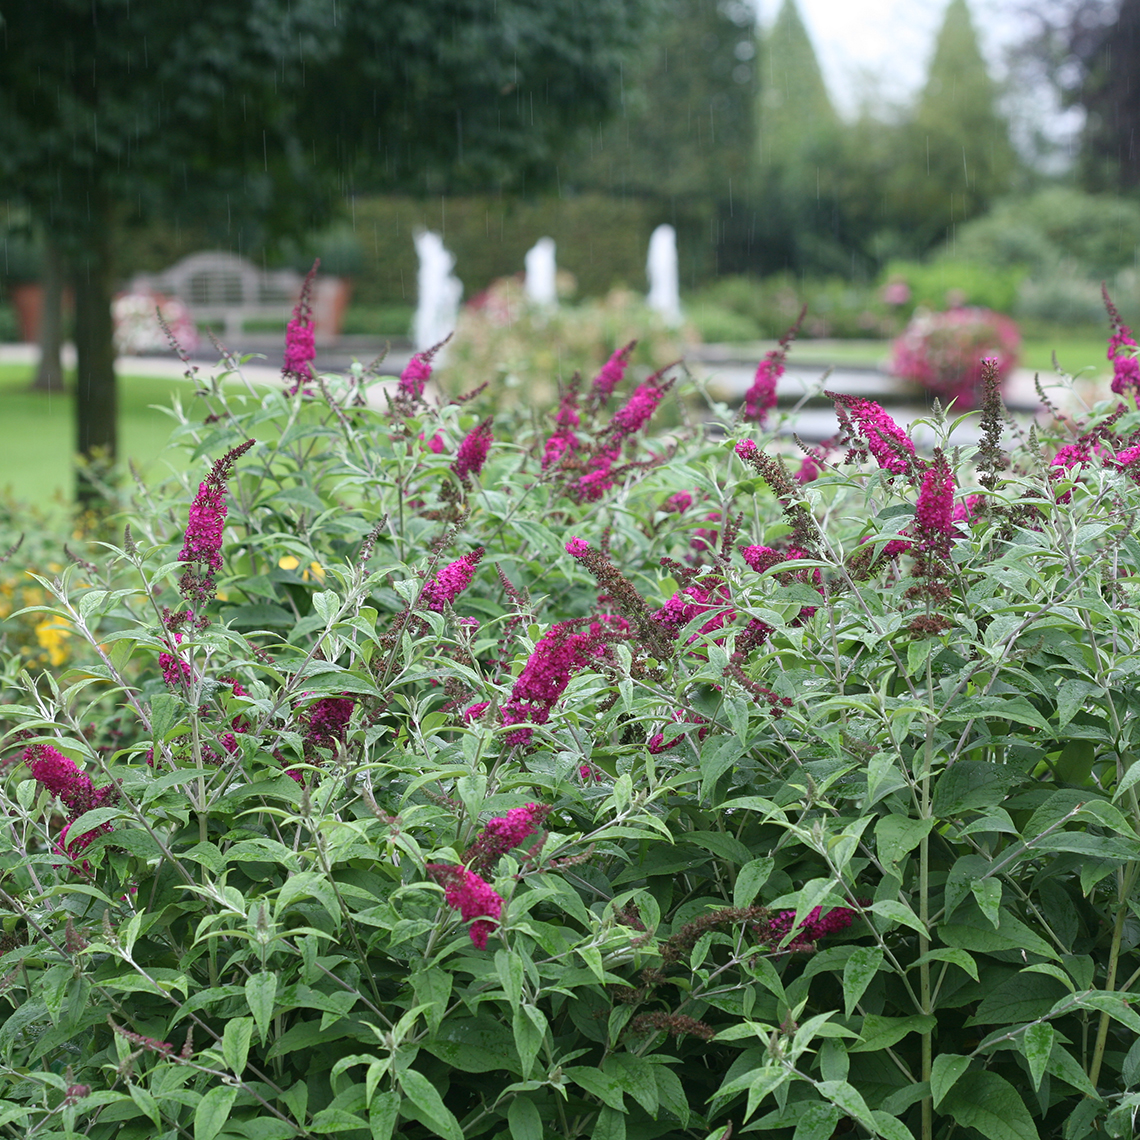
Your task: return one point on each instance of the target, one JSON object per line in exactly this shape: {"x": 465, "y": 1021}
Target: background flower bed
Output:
{"x": 834, "y": 813}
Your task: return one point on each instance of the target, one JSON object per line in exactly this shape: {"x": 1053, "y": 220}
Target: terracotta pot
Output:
{"x": 330, "y": 300}
{"x": 27, "y": 299}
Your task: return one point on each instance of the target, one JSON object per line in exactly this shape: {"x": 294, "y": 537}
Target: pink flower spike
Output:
{"x": 578, "y": 547}
{"x": 202, "y": 544}
{"x": 474, "y": 898}
{"x": 450, "y": 582}
{"x": 1125, "y": 367}
{"x": 760, "y": 399}
{"x": 328, "y": 719}
{"x": 504, "y": 833}
{"x": 639, "y": 408}
{"x": 415, "y": 376}
{"x": 612, "y": 372}
{"x": 300, "y": 346}
{"x": 472, "y": 453}
{"x": 934, "y": 511}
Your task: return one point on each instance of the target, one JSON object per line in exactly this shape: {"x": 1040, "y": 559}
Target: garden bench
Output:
{"x": 220, "y": 286}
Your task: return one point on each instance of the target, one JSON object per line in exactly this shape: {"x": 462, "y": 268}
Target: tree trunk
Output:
{"x": 49, "y": 374}
{"x": 96, "y": 404}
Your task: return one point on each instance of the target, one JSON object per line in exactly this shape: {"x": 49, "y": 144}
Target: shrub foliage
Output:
{"x": 439, "y": 776}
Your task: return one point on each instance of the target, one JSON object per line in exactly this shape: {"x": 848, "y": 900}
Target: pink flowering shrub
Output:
{"x": 582, "y": 779}
{"x": 942, "y": 352}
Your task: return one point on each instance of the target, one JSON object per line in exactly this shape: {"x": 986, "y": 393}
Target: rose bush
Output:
{"x": 426, "y": 778}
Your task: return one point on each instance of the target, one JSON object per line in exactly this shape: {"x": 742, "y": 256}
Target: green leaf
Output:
{"x": 890, "y": 1127}
{"x": 988, "y": 894}
{"x": 974, "y": 932}
{"x": 528, "y": 1036}
{"x": 989, "y": 1103}
{"x": 955, "y": 957}
{"x": 235, "y": 1043}
{"x": 817, "y": 1122}
{"x": 848, "y": 1099}
{"x": 635, "y": 1075}
{"x": 966, "y": 871}
{"x": 896, "y": 836}
{"x": 882, "y": 1032}
{"x": 861, "y": 967}
{"x": 1128, "y": 780}
{"x": 610, "y": 1125}
{"x": 524, "y": 1120}
{"x": 894, "y": 911}
{"x": 1037, "y": 1045}
{"x": 605, "y": 1088}
{"x": 1112, "y": 1004}
{"x": 336, "y": 1120}
{"x": 383, "y": 1114}
{"x": 164, "y": 710}
{"x": 968, "y": 785}
{"x": 146, "y": 1102}
{"x": 424, "y": 1095}
{"x": 260, "y": 995}
{"x": 1005, "y": 708}
{"x": 944, "y": 1073}
{"x": 213, "y": 1111}
{"x": 750, "y": 878}
{"x": 308, "y": 884}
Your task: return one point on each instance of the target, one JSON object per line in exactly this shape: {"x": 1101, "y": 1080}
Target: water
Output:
{"x": 437, "y": 307}
{"x": 540, "y": 273}
{"x": 661, "y": 268}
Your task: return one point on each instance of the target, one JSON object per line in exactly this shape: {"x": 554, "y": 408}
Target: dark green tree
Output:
{"x": 263, "y": 112}
{"x": 1091, "y": 51}
{"x": 954, "y": 155}
{"x": 797, "y": 156}
{"x": 683, "y": 134}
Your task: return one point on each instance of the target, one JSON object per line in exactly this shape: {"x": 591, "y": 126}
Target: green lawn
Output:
{"x": 37, "y": 433}
{"x": 1074, "y": 353}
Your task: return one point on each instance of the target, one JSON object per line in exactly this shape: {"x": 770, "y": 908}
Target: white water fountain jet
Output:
{"x": 540, "y": 274}
{"x": 661, "y": 269}
{"x": 439, "y": 292}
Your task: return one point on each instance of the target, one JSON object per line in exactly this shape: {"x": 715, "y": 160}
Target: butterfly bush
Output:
{"x": 617, "y": 774}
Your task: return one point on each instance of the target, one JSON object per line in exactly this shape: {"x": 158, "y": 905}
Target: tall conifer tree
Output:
{"x": 956, "y": 156}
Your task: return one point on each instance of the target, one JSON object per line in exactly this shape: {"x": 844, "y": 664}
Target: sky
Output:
{"x": 887, "y": 44}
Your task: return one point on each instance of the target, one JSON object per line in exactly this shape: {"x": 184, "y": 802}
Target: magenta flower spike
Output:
{"x": 450, "y": 582}
{"x": 473, "y": 897}
{"x": 328, "y": 719}
{"x": 612, "y": 373}
{"x": 638, "y": 409}
{"x": 760, "y": 399}
{"x": 300, "y": 345}
{"x": 472, "y": 453}
{"x": 886, "y": 441}
{"x": 503, "y": 833}
{"x": 557, "y": 656}
{"x": 202, "y": 545}
{"x": 415, "y": 376}
{"x": 1125, "y": 366}
{"x": 934, "y": 511}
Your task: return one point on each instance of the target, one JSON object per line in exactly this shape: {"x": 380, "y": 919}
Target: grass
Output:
{"x": 37, "y": 433}
{"x": 1074, "y": 352}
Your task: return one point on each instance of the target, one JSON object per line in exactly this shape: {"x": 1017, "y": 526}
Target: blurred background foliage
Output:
{"x": 725, "y": 128}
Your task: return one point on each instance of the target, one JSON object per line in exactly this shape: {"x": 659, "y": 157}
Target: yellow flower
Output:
{"x": 51, "y": 637}
{"x": 315, "y": 569}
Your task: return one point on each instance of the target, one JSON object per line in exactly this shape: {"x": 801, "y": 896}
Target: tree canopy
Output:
{"x": 264, "y": 112}
{"x": 956, "y": 155}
